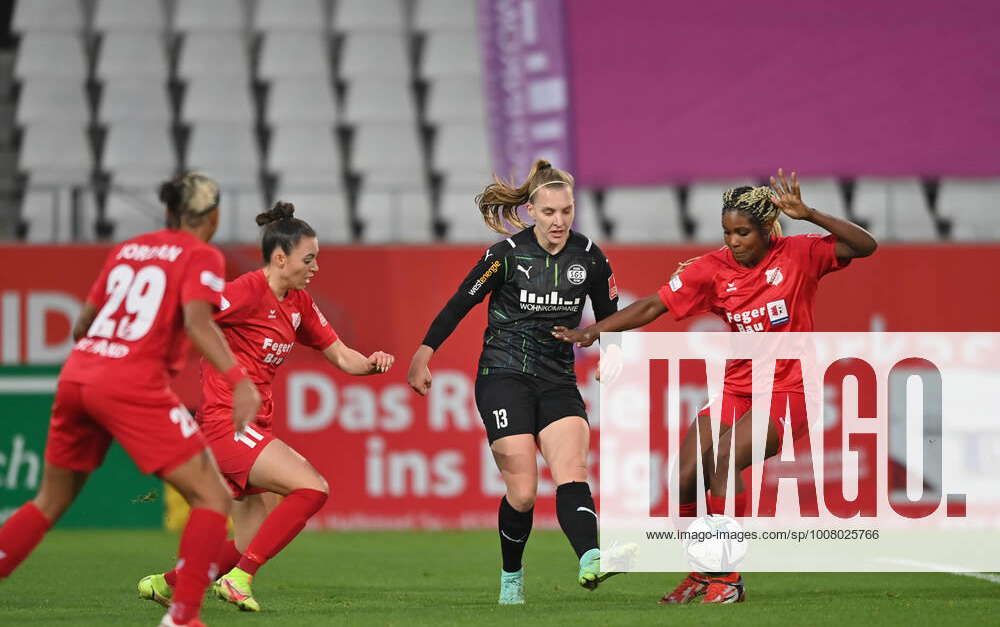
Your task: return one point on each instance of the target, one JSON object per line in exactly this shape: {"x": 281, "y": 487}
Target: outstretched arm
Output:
{"x": 352, "y": 362}
{"x": 852, "y": 240}
{"x": 639, "y": 313}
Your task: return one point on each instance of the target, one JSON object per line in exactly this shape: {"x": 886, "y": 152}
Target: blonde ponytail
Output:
{"x": 499, "y": 201}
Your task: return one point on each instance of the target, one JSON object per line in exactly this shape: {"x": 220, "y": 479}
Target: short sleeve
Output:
{"x": 236, "y": 296}
{"x": 690, "y": 292}
{"x": 203, "y": 277}
{"x": 818, "y": 253}
{"x": 314, "y": 331}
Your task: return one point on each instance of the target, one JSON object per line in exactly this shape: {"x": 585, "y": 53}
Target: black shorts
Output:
{"x": 512, "y": 403}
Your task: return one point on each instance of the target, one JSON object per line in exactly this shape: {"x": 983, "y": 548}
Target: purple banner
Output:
{"x": 526, "y": 70}
{"x": 678, "y": 91}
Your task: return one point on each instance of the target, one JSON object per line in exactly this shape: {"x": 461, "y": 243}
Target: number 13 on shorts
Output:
{"x": 501, "y": 416}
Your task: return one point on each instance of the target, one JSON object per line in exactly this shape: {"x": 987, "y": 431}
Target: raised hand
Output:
{"x": 788, "y": 197}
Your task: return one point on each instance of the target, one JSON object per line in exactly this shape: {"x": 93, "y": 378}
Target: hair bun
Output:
{"x": 542, "y": 164}
{"x": 280, "y": 211}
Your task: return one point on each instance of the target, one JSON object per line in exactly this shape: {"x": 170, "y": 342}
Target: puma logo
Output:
{"x": 526, "y": 271}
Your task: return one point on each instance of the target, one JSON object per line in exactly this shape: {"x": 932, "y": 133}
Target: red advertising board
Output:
{"x": 394, "y": 459}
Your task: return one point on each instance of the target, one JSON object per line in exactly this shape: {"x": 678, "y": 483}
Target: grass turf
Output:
{"x": 445, "y": 578}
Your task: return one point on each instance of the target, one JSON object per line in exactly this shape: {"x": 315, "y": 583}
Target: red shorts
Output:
{"x": 786, "y": 407}
{"x": 236, "y": 455}
{"x": 153, "y": 427}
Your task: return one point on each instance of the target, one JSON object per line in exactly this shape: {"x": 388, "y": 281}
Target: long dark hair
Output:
{"x": 282, "y": 229}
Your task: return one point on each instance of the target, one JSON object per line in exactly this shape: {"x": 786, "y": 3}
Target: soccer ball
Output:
{"x": 715, "y": 544}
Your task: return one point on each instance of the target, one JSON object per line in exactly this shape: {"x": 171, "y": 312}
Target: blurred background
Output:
{"x": 381, "y": 120}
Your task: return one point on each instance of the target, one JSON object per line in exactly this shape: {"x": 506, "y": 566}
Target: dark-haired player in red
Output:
{"x": 264, "y": 313}
{"x": 758, "y": 282}
{"x": 115, "y": 384}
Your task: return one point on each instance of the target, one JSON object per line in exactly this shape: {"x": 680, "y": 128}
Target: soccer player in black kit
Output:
{"x": 526, "y": 384}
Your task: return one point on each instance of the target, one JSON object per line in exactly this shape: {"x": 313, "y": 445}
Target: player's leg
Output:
{"x": 75, "y": 446}
{"x": 735, "y": 450}
{"x": 281, "y": 470}
{"x": 199, "y": 482}
{"x": 248, "y": 513}
{"x": 506, "y": 404}
{"x": 25, "y": 529}
{"x": 515, "y": 458}
{"x": 700, "y": 433}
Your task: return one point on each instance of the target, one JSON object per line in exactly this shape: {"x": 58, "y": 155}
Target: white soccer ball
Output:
{"x": 715, "y": 544}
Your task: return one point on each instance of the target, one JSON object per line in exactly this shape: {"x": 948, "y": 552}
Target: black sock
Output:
{"x": 577, "y": 515}
{"x": 515, "y": 527}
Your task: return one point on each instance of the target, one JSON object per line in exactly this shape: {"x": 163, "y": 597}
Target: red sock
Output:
{"x": 741, "y": 502}
{"x": 196, "y": 566}
{"x": 689, "y": 510}
{"x": 20, "y": 535}
{"x": 280, "y": 526}
{"x": 228, "y": 557}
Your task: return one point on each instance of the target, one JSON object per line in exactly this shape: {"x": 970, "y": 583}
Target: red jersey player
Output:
{"x": 151, "y": 290}
{"x": 759, "y": 282}
{"x": 264, "y": 313}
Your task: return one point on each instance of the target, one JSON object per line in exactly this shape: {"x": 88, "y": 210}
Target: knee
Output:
{"x": 210, "y": 494}
{"x": 320, "y": 484}
{"x": 521, "y": 498}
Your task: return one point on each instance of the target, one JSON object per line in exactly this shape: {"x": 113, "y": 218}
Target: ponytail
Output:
{"x": 500, "y": 199}
{"x": 282, "y": 229}
{"x": 755, "y": 203}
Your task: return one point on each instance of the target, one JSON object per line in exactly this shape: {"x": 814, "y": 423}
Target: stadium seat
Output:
{"x": 212, "y": 55}
{"x": 324, "y": 209}
{"x": 379, "y": 100}
{"x": 56, "y": 152}
{"x": 132, "y": 211}
{"x": 368, "y": 15}
{"x": 132, "y": 55}
{"x": 704, "y": 208}
{"x": 387, "y": 153}
{"x": 437, "y": 15}
{"x": 450, "y": 53}
{"x": 47, "y": 15}
{"x": 129, "y": 15}
{"x": 239, "y": 206}
{"x": 461, "y": 147}
{"x": 395, "y": 216}
{"x": 374, "y": 55}
{"x": 54, "y": 100}
{"x": 822, "y": 194}
{"x": 134, "y": 99}
{"x": 300, "y": 100}
{"x": 894, "y": 209}
{"x": 277, "y": 15}
{"x": 463, "y": 221}
{"x": 227, "y": 152}
{"x": 217, "y": 99}
{"x": 217, "y": 15}
{"x": 588, "y": 219}
{"x": 456, "y": 99}
{"x": 973, "y": 206}
{"x": 48, "y": 213}
{"x": 51, "y": 55}
{"x": 305, "y": 154}
{"x": 644, "y": 214}
{"x": 289, "y": 54}
{"x": 138, "y": 152}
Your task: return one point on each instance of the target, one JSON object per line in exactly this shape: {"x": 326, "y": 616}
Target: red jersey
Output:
{"x": 776, "y": 295}
{"x": 261, "y": 331}
{"x": 137, "y": 338}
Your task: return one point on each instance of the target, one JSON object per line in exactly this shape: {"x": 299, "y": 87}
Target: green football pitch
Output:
{"x": 450, "y": 578}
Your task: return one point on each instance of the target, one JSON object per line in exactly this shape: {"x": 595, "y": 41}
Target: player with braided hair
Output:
{"x": 758, "y": 282}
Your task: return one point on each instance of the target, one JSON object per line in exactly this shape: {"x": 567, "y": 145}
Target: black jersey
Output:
{"x": 531, "y": 291}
